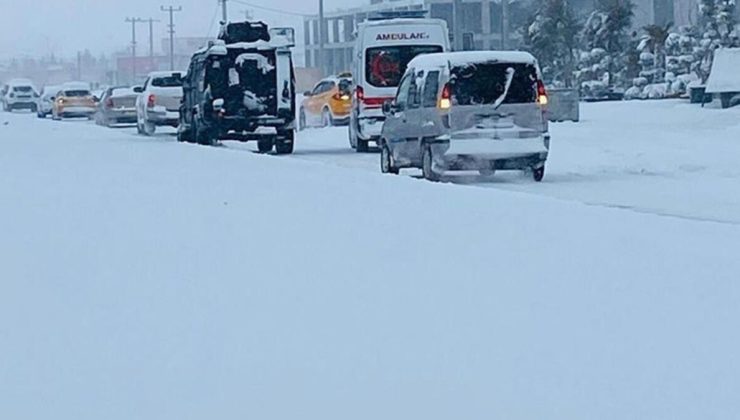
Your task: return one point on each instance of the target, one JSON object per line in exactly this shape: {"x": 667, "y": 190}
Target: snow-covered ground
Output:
{"x": 141, "y": 278}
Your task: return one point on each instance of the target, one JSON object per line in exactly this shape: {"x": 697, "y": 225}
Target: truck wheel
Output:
{"x": 265, "y": 146}
{"x": 427, "y": 165}
{"x": 185, "y": 136}
{"x": 149, "y": 128}
{"x": 204, "y": 137}
{"x": 538, "y": 173}
{"x": 386, "y": 160}
{"x": 285, "y": 142}
{"x": 362, "y": 145}
{"x": 302, "y": 120}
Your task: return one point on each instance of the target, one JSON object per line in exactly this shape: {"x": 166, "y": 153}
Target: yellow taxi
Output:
{"x": 329, "y": 103}
{"x": 74, "y": 100}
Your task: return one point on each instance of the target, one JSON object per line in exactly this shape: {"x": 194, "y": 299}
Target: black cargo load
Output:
{"x": 233, "y": 33}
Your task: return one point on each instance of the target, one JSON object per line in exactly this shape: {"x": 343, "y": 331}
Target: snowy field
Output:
{"x": 145, "y": 279}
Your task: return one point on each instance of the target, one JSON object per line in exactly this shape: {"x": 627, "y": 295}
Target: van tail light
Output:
{"x": 359, "y": 94}
{"x": 150, "y": 101}
{"x": 445, "y": 99}
{"x": 542, "y": 98}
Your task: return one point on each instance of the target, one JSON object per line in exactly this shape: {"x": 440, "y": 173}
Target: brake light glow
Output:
{"x": 150, "y": 101}
{"x": 445, "y": 99}
{"x": 360, "y": 94}
{"x": 541, "y": 93}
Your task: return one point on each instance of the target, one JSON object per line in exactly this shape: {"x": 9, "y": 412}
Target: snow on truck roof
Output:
{"x": 462, "y": 58}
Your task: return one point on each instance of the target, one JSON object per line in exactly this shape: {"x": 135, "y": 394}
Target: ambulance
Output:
{"x": 385, "y": 44}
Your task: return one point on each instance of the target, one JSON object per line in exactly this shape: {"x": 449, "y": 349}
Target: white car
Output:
{"x": 45, "y": 104}
{"x": 20, "y": 94}
{"x": 385, "y": 45}
{"x": 158, "y": 103}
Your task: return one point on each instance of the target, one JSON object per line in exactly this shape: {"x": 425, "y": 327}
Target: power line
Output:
{"x": 270, "y": 9}
{"x": 171, "y": 10}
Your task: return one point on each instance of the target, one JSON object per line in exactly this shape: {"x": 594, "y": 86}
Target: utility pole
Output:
{"x": 171, "y": 10}
{"x": 79, "y": 65}
{"x": 224, "y": 12}
{"x": 322, "y": 58}
{"x": 133, "y": 21}
{"x": 504, "y": 24}
{"x": 151, "y": 37}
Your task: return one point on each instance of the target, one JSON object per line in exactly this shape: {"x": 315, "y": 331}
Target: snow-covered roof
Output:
{"x": 402, "y": 21}
{"x": 725, "y": 74}
{"x": 121, "y": 92}
{"x": 462, "y": 58}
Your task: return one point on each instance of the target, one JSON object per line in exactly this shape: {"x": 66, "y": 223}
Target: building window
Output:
{"x": 307, "y": 32}
{"x": 315, "y": 31}
{"x": 308, "y": 59}
{"x": 444, "y": 12}
{"x": 335, "y": 30}
{"x": 497, "y": 18}
{"x": 471, "y": 17}
{"x": 349, "y": 28}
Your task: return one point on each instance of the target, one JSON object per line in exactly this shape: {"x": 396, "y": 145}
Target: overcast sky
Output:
{"x": 40, "y": 27}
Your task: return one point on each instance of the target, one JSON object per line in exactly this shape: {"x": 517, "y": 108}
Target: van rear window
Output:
{"x": 76, "y": 93}
{"x": 484, "y": 83}
{"x": 167, "y": 82}
{"x": 384, "y": 66}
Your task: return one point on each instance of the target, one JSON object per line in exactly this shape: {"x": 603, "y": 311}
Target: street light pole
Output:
{"x": 224, "y": 12}
{"x": 322, "y": 58}
{"x": 504, "y": 24}
{"x": 133, "y": 21}
{"x": 171, "y": 10}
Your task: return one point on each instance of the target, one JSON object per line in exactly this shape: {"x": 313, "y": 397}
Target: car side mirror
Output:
{"x": 307, "y": 94}
{"x": 138, "y": 89}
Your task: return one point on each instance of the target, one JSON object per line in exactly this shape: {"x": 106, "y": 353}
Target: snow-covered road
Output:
{"x": 142, "y": 278}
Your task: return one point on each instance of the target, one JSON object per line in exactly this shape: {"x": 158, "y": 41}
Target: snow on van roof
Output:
{"x": 402, "y": 21}
{"x": 466, "y": 57}
{"x": 724, "y": 76}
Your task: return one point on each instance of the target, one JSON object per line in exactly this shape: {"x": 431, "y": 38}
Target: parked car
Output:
{"x": 117, "y": 106}
{"x": 45, "y": 104}
{"x": 242, "y": 88}
{"x": 158, "y": 102}
{"x": 74, "y": 100}
{"x": 385, "y": 44}
{"x": 482, "y": 111}
{"x": 20, "y": 94}
{"x": 327, "y": 104}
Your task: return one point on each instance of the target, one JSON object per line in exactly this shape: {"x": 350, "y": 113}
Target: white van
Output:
{"x": 385, "y": 45}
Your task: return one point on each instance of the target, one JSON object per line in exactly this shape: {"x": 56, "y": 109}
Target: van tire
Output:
{"x": 538, "y": 174}
{"x": 285, "y": 142}
{"x": 427, "y": 165}
{"x": 265, "y": 146}
{"x": 302, "y": 119}
{"x": 386, "y": 160}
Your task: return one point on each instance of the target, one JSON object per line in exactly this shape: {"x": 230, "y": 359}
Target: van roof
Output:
{"x": 165, "y": 73}
{"x": 402, "y": 21}
{"x": 466, "y": 57}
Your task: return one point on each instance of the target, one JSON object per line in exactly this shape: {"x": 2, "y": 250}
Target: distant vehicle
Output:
{"x": 328, "y": 104}
{"x": 158, "y": 102}
{"x": 117, "y": 105}
{"x": 45, "y": 104}
{"x": 482, "y": 111}
{"x": 20, "y": 94}
{"x": 385, "y": 45}
{"x": 74, "y": 100}
{"x": 242, "y": 87}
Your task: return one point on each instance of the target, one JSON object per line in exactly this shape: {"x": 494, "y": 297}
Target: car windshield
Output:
{"x": 345, "y": 86}
{"x": 22, "y": 89}
{"x": 174, "y": 80}
{"x": 485, "y": 83}
{"x": 77, "y": 93}
{"x": 118, "y": 92}
{"x": 385, "y": 65}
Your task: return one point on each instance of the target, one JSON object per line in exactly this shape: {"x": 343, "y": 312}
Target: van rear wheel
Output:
{"x": 427, "y": 165}
{"x": 538, "y": 173}
{"x": 386, "y": 161}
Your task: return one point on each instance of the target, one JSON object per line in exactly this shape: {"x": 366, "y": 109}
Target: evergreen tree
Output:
{"x": 717, "y": 19}
{"x": 552, "y": 36}
{"x": 606, "y": 42}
